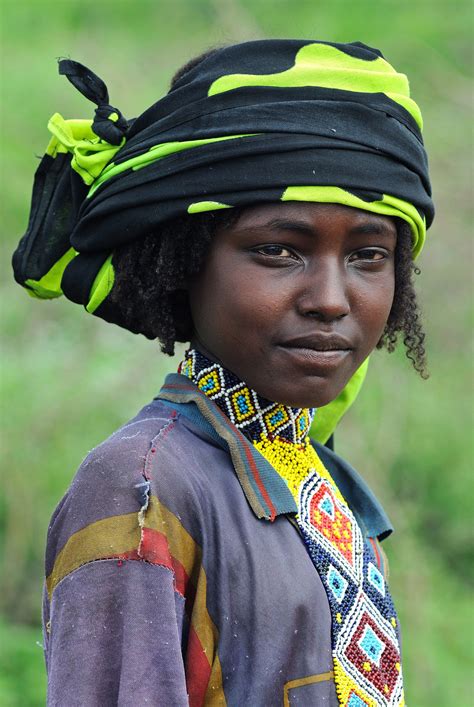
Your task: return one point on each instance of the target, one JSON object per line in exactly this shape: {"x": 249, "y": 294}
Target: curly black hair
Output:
{"x": 150, "y": 276}
{"x": 405, "y": 316}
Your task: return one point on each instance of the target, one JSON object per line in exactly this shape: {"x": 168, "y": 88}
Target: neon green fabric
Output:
{"x": 388, "y": 206}
{"x": 102, "y": 286}
{"x": 49, "y": 286}
{"x": 327, "y": 417}
{"x": 155, "y": 153}
{"x": 335, "y": 69}
{"x": 90, "y": 154}
{"x": 199, "y": 206}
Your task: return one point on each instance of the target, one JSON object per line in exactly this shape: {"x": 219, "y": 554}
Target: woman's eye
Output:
{"x": 368, "y": 254}
{"x": 277, "y": 251}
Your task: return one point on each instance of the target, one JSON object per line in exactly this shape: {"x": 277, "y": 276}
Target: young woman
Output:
{"x": 267, "y": 210}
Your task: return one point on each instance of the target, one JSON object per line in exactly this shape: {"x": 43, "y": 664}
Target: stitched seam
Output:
{"x": 115, "y": 559}
{"x": 162, "y": 433}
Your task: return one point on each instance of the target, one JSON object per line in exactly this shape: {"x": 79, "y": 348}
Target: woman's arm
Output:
{"x": 113, "y": 636}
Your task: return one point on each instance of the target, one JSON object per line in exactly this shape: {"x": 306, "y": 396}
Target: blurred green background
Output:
{"x": 68, "y": 379}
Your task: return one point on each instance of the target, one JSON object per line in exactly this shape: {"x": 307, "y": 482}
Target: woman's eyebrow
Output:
{"x": 290, "y": 225}
{"x": 377, "y": 228}
{"x": 369, "y": 228}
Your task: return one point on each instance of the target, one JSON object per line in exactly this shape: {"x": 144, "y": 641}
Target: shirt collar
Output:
{"x": 266, "y": 492}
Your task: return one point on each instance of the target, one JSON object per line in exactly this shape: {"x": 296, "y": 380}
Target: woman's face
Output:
{"x": 294, "y": 296}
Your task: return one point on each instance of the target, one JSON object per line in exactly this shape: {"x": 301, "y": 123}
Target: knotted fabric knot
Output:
{"x": 109, "y": 123}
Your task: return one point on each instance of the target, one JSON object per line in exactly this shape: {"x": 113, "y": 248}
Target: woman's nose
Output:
{"x": 324, "y": 294}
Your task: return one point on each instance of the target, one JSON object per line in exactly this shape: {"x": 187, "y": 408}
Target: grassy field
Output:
{"x": 68, "y": 379}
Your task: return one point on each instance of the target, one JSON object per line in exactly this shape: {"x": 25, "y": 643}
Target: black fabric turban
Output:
{"x": 271, "y": 120}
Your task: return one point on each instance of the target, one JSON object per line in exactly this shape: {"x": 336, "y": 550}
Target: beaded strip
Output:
{"x": 250, "y": 412}
{"x": 365, "y": 641}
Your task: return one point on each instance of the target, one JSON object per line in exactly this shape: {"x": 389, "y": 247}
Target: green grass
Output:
{"x": 22, "y": 673}
{"x": 68, "y": 380}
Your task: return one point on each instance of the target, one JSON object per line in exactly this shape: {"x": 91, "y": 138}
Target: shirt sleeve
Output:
{"x": 113, "y": 636}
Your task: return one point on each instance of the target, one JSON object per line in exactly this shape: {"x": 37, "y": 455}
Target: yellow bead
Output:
{"x": 294, "y": 462}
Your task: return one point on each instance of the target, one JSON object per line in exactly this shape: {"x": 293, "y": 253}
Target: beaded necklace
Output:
{"x": 365, "y": 641}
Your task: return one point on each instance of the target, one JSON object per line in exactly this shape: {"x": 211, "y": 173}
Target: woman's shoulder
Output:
{"x": 112, "y": 468}
{"x": 149, "y": 456}
{"x": 127, "y": 456}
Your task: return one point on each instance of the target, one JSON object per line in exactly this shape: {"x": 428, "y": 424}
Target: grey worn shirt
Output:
{"x": 175, "y": 575}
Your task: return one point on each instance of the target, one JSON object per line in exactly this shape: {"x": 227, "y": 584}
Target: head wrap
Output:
{"x": 263, "y": 121}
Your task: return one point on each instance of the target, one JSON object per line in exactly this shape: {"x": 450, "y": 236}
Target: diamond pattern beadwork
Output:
{"x": 371, "y": 645}
{"x": 375, "y": 578}
{"x": 253, "y": 415}
{"x": 336, "y": 583}
{"x": 356, "y": 701}
{"x": 366, "y": 655}
{"x": 326, "y": 520}
{"x": 243, "y": 407}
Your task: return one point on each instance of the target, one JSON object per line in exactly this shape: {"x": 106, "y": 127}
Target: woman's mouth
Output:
{"x": 320, "y": 350}
{"x": 321, "y": 357}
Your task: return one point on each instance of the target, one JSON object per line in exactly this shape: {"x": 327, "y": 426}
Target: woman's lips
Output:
{"x": 320, "y": 358}
{"x": 318, "y": 341}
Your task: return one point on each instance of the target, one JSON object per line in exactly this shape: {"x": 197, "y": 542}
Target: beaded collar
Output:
{"x": 255, "y": 416}
{"x": 364, "y": 626}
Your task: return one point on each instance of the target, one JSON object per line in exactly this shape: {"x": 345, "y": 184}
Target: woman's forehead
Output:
{"x": 309, "y": 213}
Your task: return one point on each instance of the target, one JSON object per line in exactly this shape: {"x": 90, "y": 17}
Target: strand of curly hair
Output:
{"x": 405, "y": 315}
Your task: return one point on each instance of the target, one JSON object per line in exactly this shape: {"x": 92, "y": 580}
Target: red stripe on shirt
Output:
{"x": 259, "y": 482}
{"x": 198, "y": 670}
{"x": 154, "y": 549}
{"x": 373, "y": 542}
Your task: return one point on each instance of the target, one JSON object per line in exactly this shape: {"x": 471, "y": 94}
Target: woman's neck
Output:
{"x": 255, "y": 416}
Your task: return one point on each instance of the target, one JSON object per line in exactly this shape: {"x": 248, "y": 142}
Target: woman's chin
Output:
{"x": 314, "y": 395}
